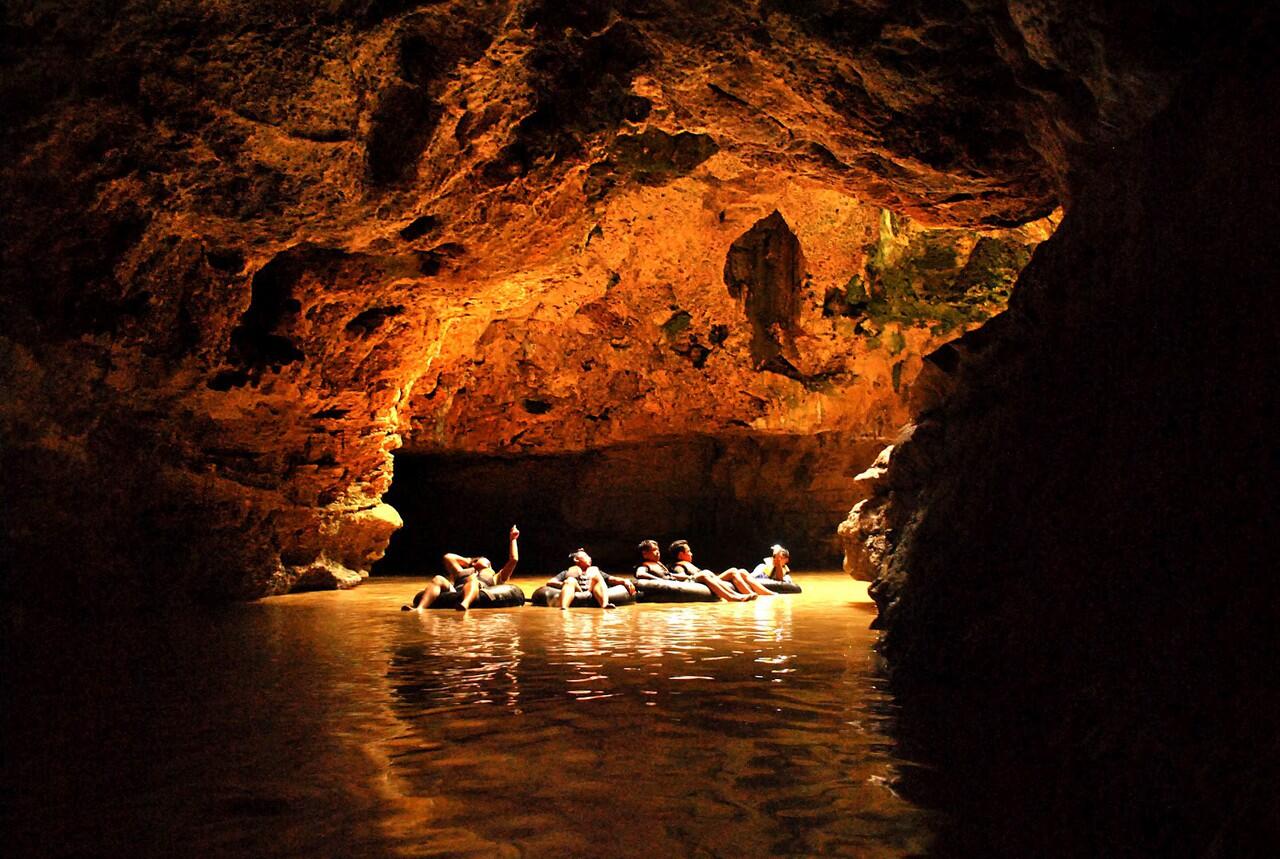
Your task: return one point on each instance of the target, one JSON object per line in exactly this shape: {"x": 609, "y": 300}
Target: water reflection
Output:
{"x": 724, "y": 728}
{"x": 334, "y": 724}
{"x": 461, "y": 665}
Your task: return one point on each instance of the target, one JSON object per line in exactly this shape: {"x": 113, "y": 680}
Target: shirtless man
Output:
{"x": 586, "y": 576}
{"x": 736, "y": 577}
{"x": 651, "y": 567}
{"x": 468, "y": 575}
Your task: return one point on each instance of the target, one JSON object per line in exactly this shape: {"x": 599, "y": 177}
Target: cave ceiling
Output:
{"x": 270, "y": 243}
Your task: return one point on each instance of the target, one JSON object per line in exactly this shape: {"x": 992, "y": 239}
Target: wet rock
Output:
{"x": 324, "y": 575}
{"x": 863, "y": 534}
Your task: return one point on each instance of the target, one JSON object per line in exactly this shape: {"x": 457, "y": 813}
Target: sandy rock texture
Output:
{"x": 249, "y": 250}
{"x": 863, "y": 537}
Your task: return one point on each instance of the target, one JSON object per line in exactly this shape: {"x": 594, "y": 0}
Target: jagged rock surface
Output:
{"x": 1080, "y": 552}
{"x": 248, "y": 248}
{"x": 863, "y": 534}
{"x": 236, "y": 237}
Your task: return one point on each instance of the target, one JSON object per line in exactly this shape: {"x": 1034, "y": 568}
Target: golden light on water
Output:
{"x": 751, "y": 728}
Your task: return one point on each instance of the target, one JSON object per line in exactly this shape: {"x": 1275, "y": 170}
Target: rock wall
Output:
{"x": 674, "y": 337}
{"x": 248, "y": 249}
{"x": 1075, "y": 540}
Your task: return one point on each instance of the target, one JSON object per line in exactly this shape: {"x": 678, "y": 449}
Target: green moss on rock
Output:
{"x": 677, "y": 324}
{"x": 931, "y": 281}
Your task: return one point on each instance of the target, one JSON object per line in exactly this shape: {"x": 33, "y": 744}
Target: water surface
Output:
{"x": 332, "y": 723}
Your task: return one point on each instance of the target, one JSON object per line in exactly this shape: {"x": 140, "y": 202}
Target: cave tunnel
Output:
{"x": 730, "y": 496}
{"x": 975, "y": 302}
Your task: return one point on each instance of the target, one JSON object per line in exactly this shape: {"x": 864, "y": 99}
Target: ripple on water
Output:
{"x": 334, "y": 723}
{"x": 738, "y": 729}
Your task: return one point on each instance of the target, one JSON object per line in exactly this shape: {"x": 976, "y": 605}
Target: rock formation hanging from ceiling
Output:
{"x": 248, "y": 247}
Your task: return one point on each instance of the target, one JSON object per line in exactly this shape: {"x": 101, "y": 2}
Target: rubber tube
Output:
{"x": 549, "y": 596}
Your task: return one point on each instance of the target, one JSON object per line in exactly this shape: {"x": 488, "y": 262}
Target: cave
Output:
{"x": 972, "y": 302}
{"x": 733, "y": 496}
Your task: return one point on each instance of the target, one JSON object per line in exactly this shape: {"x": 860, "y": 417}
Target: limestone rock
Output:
{"x": 863, "y": 533}
{"x": 323, "y": 575}
{"x": 250, "y": 249}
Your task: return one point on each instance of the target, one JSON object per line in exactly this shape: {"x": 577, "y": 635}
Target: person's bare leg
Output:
{"x": 432, "y": 591}
{"x": 429, "y": 592}
{"x": 470, "y": 591}
{"x": 748, "y": 583}
{"x": 601, "y": 591}
{"x": 743, "y": 582}
{"x": 736, "y": 578}
{"x": 720, "y": 589}
{"x": 567, "y": 593}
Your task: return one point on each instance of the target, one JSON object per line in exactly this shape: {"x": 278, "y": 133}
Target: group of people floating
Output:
{"x": 471, "y": 577}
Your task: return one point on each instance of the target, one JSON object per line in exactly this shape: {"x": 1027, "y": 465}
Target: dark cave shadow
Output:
{"x": 748, "y": 493}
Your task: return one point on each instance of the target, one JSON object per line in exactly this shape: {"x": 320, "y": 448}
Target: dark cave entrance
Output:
{"x": 730, "y": 496}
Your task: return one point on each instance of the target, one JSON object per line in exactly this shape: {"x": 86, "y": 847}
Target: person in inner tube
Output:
{"x": 585, "y": 577}
{"x": 651, "y": 567}
{"x": 469, "y": 575}
{"x": 736, "y": 577}
{"x": 774, "y": 568}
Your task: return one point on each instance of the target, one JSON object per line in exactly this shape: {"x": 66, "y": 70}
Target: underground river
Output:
{"x": 332, "y": 723}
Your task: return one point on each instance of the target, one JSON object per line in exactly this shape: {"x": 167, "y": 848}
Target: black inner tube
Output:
{"x": 549, "y": 596}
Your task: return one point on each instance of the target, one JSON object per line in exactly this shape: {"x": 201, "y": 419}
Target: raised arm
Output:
{"x": 512, "y": 557}
{"x": 455, "y": 564}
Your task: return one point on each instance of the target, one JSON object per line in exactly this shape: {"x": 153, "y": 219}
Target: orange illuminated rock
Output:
{"x": 250, "y": 250}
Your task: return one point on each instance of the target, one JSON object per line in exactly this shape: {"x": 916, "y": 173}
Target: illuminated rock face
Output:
{"x": 691, "y": 328}
{"x": 251, "y": 249}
